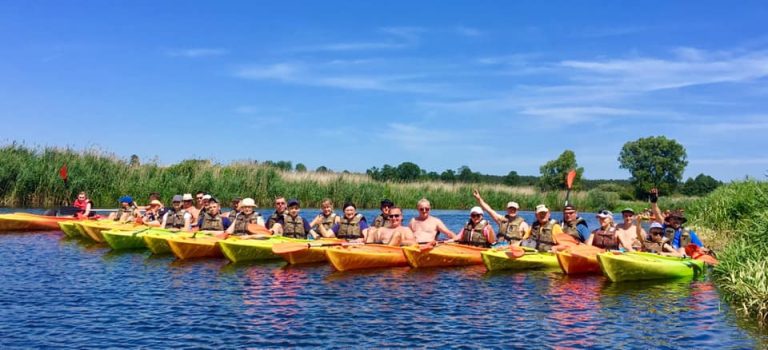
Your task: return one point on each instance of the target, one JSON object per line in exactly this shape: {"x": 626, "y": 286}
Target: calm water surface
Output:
{"x": 56, "y": 292}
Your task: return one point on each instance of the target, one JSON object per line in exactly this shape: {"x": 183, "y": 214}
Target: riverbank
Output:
{"x": 30, "y": 178}
{"x": 736, "y": 216}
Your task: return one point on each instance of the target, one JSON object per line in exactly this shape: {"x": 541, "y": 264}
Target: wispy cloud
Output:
{"x": 395, "y": 38}
{"x": 572, "y": 115}
{"x": 469, "y": 32}
{"x": 427, "y": 139}
{"x": 605, "y": 32}
{"x": 196, "y": 52}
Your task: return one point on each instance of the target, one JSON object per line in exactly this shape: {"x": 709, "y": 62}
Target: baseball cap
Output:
{"x": 541, "y": 208}
{"x": 177, "y": 198}
{"x": 513, "y": 205}
{"x": 476, "y": 210}
{"x": 604, "y": 214}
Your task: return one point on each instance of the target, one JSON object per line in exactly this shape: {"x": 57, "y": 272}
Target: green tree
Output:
{"x": 322, "y": 169}
{"x": 301, "y": 168}
{"x": 466, "y": 175}
{"x": 408, "y": 171}
{"x": 448, "y": 175}
{"x": 654, "y": 161}
{"x": 512, "y": 179}
{"x": 700, "y": 186}
{"x": 553, "y": 173}
{"x": 135, "y": 162}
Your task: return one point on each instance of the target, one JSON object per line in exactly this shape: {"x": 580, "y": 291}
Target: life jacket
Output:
{"x": 122, "y": 211}
{"x": 212, "y": 223}
{"x": 81, "y": 205}
{"x": 293, "y": 227}
{"x": 350, "y": 228}
{"x": 654, "y": 247}
{"x": 273, "y": 219}
{"x": 242, "y": 220}
{"x": 509, "y": 231}
{"x": 380, "y": 221}
{"x": 150, "y": 216}
{"x": 685, "y": 235}
{"x": 175, "y": 218}
{"x": 572, "y": 228}
{"x": 606, "y": 239}
{"x": 328, "y": 221}
{"x": 475, "y": 234}
{"x": 541, "y": 235}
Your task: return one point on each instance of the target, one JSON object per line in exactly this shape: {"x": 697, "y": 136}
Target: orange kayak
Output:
{"x": 365, "y": 256}
{"x": 202, "y": 246}
{"x": 310, "y": 253}
{"x": 579, "y": 259}
{"x": 31, "y": 222}
{"x": 443, "y": 255}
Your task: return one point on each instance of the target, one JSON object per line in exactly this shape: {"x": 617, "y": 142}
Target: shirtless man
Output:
{"x": 627, "y": 229}
{"x": 393, "y": 234}
{"x": 426, "y": 227}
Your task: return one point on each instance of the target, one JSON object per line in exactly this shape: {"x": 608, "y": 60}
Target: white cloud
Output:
{"x": 579, "y": 114}
{"x": 469, "y": 32}
{"x": 398, "y": 38}
{"x": 196, "y": 52}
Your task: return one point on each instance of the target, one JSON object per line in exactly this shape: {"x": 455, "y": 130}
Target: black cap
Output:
{"x": 569, "y": 207}
{"x": 213, "y": 200}
{"x": 348, "y": 204}
{"x": 387, "y": 203}
{"x": 292, "y": 202}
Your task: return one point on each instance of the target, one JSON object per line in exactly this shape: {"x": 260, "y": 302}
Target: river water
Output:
{"x": 64, "y": 293}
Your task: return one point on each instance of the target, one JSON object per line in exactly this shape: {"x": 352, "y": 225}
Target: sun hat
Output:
{"x": 513, "y": 205}
{"x": 207, "y": 196}
{"x": 541, "y": 208}
{"x": 678, "y": 216}
{"x": 156, "y": 202}
{"x": 603, "y": 214}
{"x": 177, "y": 198}
{"x": 125, "y": 199}
{"x": 476, "y": 210}
{"x": 248, "y": 202}
{"x": 187, "y": 197}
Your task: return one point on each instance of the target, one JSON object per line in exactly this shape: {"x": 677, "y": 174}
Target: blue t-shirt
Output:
{"x": 583, "y": 231}
{"x": 679, "y": 232}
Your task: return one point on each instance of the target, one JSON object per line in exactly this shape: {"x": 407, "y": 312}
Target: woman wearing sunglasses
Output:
{"x": 477, "y": 231}
{"x": 655, "y": 242}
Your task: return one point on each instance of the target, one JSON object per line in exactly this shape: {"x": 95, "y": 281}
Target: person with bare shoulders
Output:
{"x": 626, "y": 230}
{"x": 512, "y": 227}
{"x": 189, "y": 207}
{"x": 393, "y": 234}
{"x": 426, "y": 227}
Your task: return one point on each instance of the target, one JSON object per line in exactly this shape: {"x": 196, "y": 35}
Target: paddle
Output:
{"x": 569, "y": 184}
{"x": 515, "y": 252}
{"x": 295, "y": 247}
{"x": 140, "y": 231}
{"x": 256, "y": 229}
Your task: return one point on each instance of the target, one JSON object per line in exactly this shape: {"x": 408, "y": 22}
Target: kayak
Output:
{"x": 237, "y": 250}
{"x": 31, "y": 222}
{"x": 69, "y": 228}
{"x": 156, "y": 240}
{"x": 646, "y": 266}
{"x": 495, "y": 260}
{"x": 443, "y": 255}
{"x": 94, "y": 229}
{"x": 366, "y": 256}
{"x": 580, "y": 259}
{"x": 202, "y": 245}
{"x": 119, "y": 239}
{"x": 312, "y": 252}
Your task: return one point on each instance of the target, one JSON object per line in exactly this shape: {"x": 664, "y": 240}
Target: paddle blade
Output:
{"x": 289, "y": 247}
{"x": 256, "y": 229}
{"x": 515, "y": 252}
{"x": 569, "y": 179}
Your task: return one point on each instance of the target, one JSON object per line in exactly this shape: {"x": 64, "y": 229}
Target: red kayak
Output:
{"x": 31, "y": 222}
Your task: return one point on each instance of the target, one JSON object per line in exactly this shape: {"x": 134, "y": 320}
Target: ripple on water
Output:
{"x": 62, "y": 293}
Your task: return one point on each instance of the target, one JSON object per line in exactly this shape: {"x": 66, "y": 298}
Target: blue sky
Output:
{"x": 495, "y": 85}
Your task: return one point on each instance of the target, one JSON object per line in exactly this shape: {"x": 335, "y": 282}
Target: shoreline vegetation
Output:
{"x": 30, "y": 178}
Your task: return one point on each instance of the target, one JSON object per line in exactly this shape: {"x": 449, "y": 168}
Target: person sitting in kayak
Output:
{"x": 177, "y": 217}
{"x": 606, "y": 236}
{"x": 574, "y": 225}
{"x": 352, "y": 226}
{"x": 235, "y": 208}
{"x": 245, "y": 217}
{"x": 477, "y": 232}
{"x": 211, "y": 220}
{"x": 382, "y": 219}
{"x": 393, "y": 234}
{"x": 277, "y": 216}
{"x": 152, "y": 216}
{"x": 541, "y": 235}
{"x": 626, "y": 230}
{"x": 83, "y": 205}
{"x": 512, "y": 227}
{"x": 189, "y": 207}
{"x": 128, "y": 211}
{"x": 426, "y": 227}
{"x": 656, "y": 242}
{"x": 323, "y": 222}
{"x": 677, "y": 235}
{"x": 295, "y": 226}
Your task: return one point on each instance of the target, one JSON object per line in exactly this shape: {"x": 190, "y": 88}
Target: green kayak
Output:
{"x": 125, "y": 239}
{"x": 237, "y": 250}
{"x": 70, "y": 229}
{"x": 157, "y": 240}
{"x": 495, "y": 260}
{"x": 645, "y": 266}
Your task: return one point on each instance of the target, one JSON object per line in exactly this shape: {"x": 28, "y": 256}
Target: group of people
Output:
{"x": 666, "y": 234}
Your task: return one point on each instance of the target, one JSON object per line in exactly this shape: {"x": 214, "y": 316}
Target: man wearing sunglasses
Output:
{"x": 677, "y": 235}
{"x": 393, "y": 234}
{"x": 542, "y": 233}
{"x": 512, "y": 227}
{"x": 426, "y": 227}
{"x": 275, "y": 221}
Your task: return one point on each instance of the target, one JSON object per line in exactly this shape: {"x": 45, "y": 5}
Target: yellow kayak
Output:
{"x": 495, "y": 260}
{"x": 443, "y": 255}
{"x": 202, "y": 245}
{"x": 366, "y": 256}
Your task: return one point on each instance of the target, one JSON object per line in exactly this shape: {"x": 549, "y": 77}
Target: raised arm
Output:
{"x": 659, "y": 217}
{"x": 496, "y": 217}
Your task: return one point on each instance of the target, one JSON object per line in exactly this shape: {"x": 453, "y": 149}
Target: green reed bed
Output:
{"x": 736, "y": 215}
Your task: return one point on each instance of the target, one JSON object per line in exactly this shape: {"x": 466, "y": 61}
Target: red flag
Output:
{"x": 63, "y": 173}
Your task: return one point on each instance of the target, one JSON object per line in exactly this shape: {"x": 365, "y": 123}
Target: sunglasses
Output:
{"x": 476, "y": 215}
{"x": 394, "y": 216}
{"x": 199, "y": 198}
{"x": 424, "y": 209}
